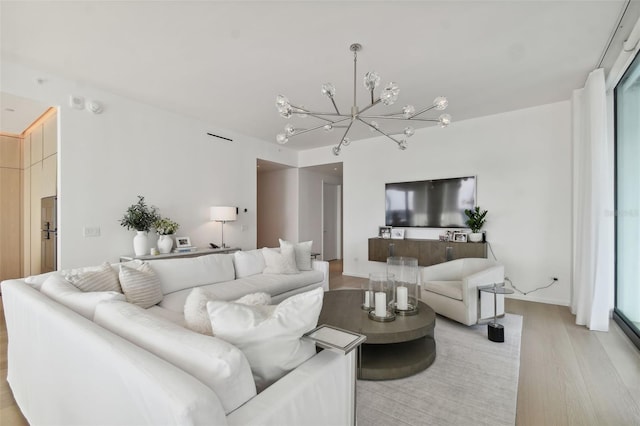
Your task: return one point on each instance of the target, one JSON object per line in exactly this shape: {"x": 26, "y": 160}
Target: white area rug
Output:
{"x": 473, "y": 381}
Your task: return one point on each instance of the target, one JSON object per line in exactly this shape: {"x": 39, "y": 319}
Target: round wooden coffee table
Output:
{"x": 393, "y": 349}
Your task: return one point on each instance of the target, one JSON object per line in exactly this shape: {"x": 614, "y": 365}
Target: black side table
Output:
{"x": 495, "y": 331}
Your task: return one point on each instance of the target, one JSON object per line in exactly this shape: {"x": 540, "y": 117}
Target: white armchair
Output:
{"x": 450, "y": 288}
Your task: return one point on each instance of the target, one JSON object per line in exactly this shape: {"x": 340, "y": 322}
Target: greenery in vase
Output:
{"x": 140, "y": 216}
{"x": 476, "y": 218}
{"x": 165, "y": 226}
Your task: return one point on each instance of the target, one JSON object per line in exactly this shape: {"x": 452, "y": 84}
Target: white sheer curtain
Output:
{"x": 593, "y": 215}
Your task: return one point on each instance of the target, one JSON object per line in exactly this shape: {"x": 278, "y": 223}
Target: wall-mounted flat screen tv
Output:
{"x": 437, "y": 203}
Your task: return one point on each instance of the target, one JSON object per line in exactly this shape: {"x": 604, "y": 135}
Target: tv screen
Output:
{"x": 438, "y": 203}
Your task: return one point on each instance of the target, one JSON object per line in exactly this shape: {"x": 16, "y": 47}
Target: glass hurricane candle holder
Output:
{"x": 381, "y": 297}
{"x": 368, "y": 298}
{"x": 406, "y": 294}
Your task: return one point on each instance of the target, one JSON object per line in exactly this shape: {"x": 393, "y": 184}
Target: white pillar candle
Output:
{"x": 381, "y": 304}
{"x": 367, "y": 299}
{"x": 403, "y": 300}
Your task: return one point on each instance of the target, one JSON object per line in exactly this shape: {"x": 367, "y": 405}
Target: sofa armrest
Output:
{"x": 470, "y": 283}
{"x": 322, "y": 266}
{"x": 319, "y": 392}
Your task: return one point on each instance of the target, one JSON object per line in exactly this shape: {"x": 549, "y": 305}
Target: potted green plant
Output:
{"x": 165, "y": 227}
{"x": 141, "y": 217}
{"x": 475, "y": 221}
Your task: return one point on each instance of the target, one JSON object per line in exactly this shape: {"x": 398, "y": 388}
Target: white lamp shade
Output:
{"x": 223, "y": 214}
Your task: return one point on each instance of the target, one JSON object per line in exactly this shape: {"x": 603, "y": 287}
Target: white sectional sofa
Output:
{"x": 82, "y": 360}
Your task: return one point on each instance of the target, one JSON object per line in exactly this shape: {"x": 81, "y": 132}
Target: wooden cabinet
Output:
{"x": 428, "y": 252}
{"x": 10, "y": 208}
{"x": 50, "y": 137}
{"x": 36, "y": 144}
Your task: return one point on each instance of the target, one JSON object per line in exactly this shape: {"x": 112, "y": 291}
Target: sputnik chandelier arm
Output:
{"x": 331, "y": 120}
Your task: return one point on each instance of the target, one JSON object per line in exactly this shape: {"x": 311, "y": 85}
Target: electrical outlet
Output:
{"x": 91, "y": 231}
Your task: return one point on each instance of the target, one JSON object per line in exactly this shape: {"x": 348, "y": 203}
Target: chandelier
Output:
{"x": 333, "y": 120}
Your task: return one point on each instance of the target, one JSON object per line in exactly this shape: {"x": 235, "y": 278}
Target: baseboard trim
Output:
{"x": 538, "y": 299}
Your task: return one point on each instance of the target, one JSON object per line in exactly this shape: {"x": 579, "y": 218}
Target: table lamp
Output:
{"x": 224, "y": 214}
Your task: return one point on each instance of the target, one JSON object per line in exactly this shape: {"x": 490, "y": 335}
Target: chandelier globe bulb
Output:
{"x": 328, "y": 127}
{"x": 440, "y": 103}
{"x": 374, "y": 125}
{"x": 281, "y": 138}
{"x": 409, "y": 131}
{"x": 281, "y": 100}
{"x": 389, "y": 95}
{"x": 336, "y": 151}
{"x": 445, "y": 120}
{"x": 285, "y": 113}
{"x": 346, "y": 141}
{"x": 371, "y": 80}
{"x": 329, "y": 90}
{"x": 289, "y": 129}
{"x": 403, "y": 145}
{"x": 408, "y": 111}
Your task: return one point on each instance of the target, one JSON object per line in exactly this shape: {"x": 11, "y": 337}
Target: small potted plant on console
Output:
{"x": 140, "y": 217}
{"x": 165, "y": 228}
{"x": 475, "y": 221}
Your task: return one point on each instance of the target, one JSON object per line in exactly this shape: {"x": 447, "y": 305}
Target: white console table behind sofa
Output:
{"x": 195, "y": 253}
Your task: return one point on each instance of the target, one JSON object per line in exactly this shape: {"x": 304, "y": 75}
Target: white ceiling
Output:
{"x": 225, "y": 62}
{"x": 17, "y": 114}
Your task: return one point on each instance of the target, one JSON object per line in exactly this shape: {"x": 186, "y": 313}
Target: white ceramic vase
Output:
{"x": 475, "y": 237}
{"x": 165, "y": 244}
{"x": 141, "y": 243}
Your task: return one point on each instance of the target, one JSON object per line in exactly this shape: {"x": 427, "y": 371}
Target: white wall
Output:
{"x": 106, "y": 160}
{"x": 311, "y": 208}
{"x": 523, "y": 163}
{"x": 277, "y": 207}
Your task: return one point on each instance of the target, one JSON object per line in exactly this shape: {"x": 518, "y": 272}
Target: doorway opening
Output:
{"x": 29, "y": 166}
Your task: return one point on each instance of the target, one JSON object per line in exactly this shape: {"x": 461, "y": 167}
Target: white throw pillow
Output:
{"x": 302, "y": 253}
{"x": 140, "y": 285}
{"x": 84, "y": 303}
{"x": 271, "y": 342}
{"x": 98, "y": 278}
{"x": 195, "y": 308}
{"x": 280, "y": 262}
{"x": 248, "y": 263}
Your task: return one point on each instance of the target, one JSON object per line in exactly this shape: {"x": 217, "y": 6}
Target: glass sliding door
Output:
{"x": 627, "y": 104}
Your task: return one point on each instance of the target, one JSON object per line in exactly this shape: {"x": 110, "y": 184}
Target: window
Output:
{"x": 627, "y": 104}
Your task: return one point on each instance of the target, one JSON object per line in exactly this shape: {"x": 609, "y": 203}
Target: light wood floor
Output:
{"x": 568, "y": 374}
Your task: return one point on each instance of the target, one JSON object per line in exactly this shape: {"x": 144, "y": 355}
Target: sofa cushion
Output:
{"x": 280, "y": 262}
{"x": 271, "y": 284}
{"x": 140, "y": 285}
{"x": 247, "y": 263}
{"x": 272, "y": 343}
{"x": 84, "y": 303}
{"x": 196, "y": 316}
{"x": 174, "y": 317}
{"x": 451, "y": 289}
{"x": 181, "y": 273}
{"x": 214, "y": 362}
{"x": 302, "y": 253}
{"x": 97, "y": 278}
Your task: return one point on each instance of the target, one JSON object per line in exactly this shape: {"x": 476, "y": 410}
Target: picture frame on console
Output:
{"x": 397, "y": 234}
{"x": 183, "y": 242}
{"x": 459, "y": 237}
{"x": 384, "y": 232}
